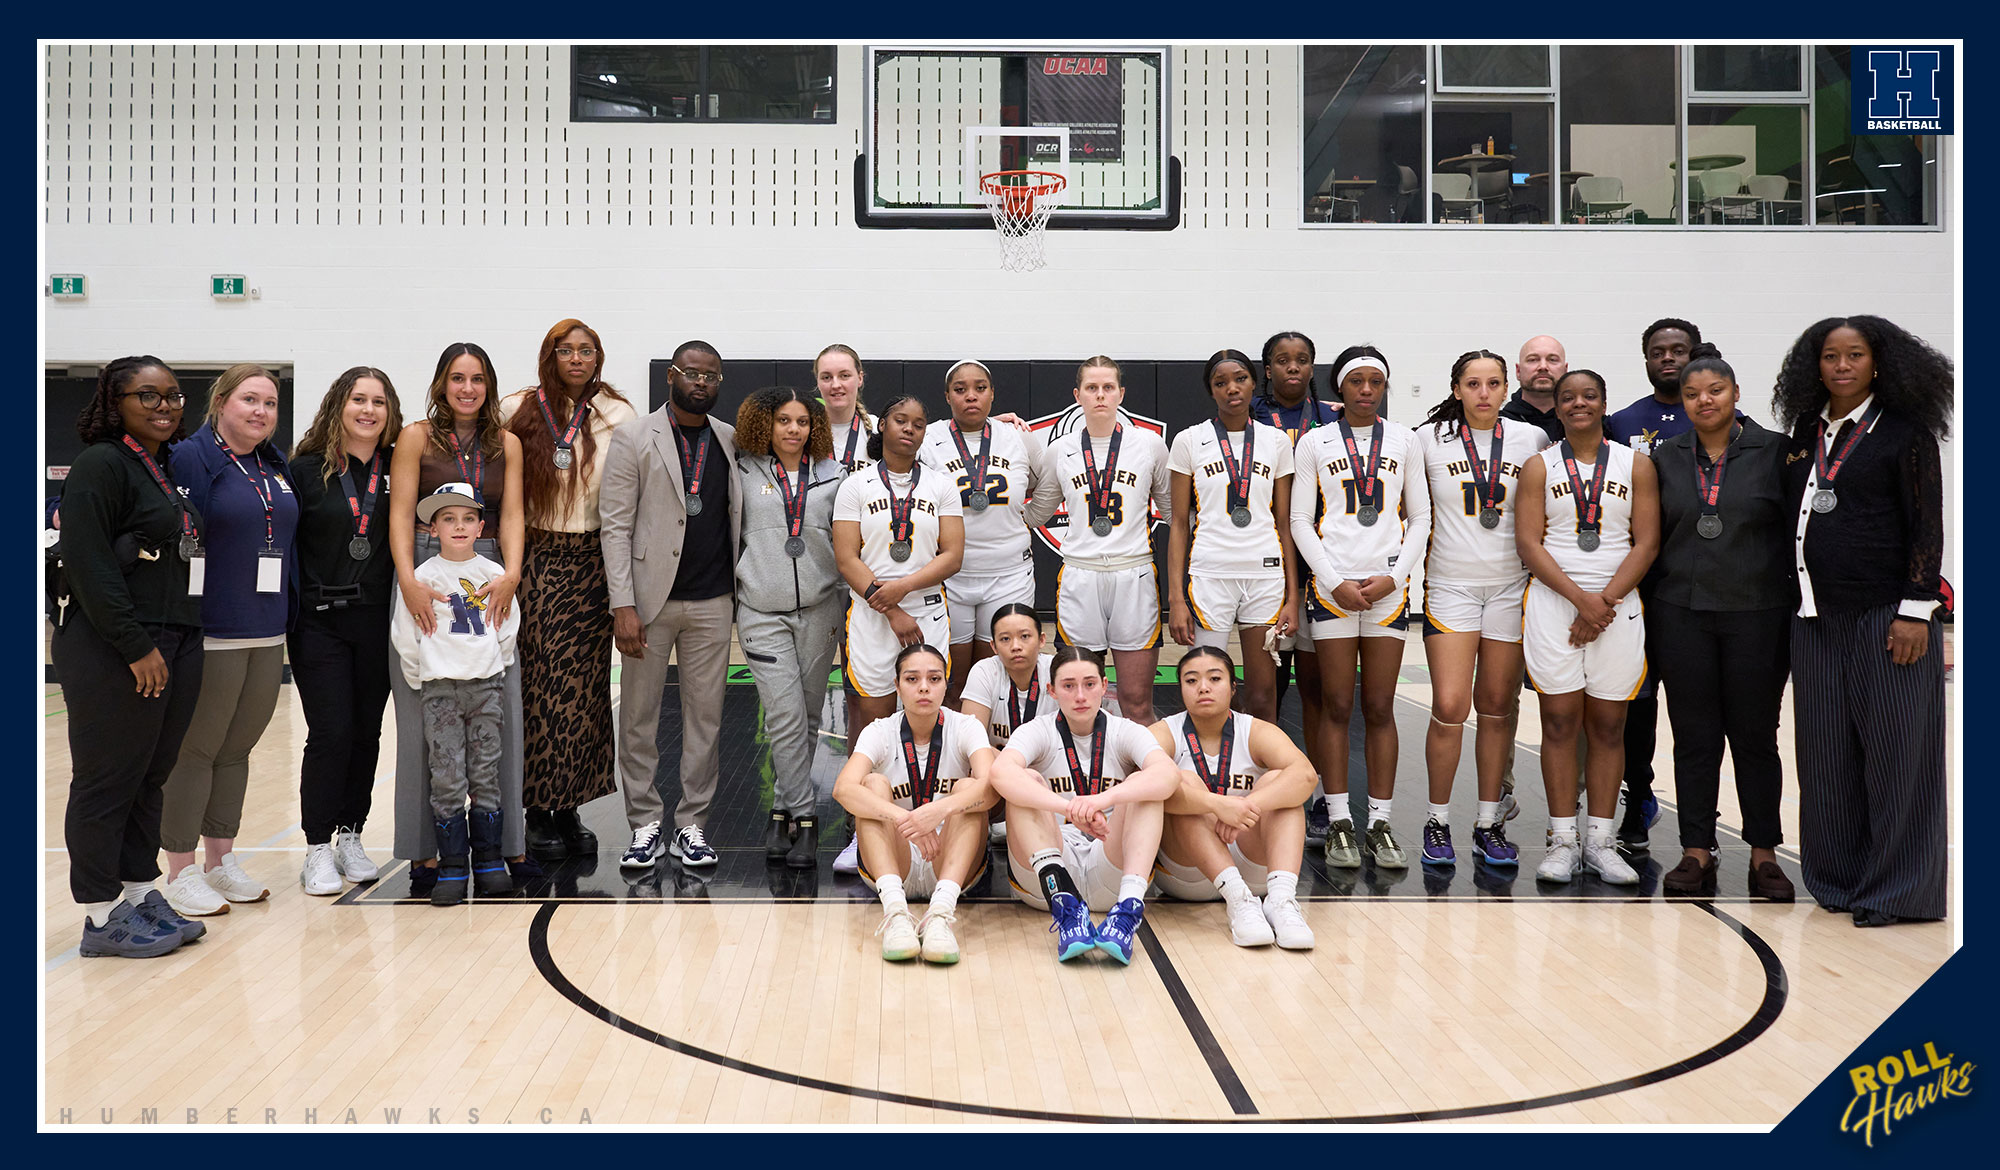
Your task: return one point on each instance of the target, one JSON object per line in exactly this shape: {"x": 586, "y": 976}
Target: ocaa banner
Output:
{"x": 1903, "y": 89}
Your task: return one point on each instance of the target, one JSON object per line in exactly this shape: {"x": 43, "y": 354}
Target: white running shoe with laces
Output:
{"x": 644, "y": 850}
{"x": 319, "y": 877}
{"x": 191, "y": 897}
{"x": 1601, "y": 856}
{"x": 899, "y": 936}
{"x": 1288, "y": 923}
{"x": 849, "y": 860}
{"x": 940, "y": 944}
{"x": 1560, "y": 864}
{"x": 229, "y": 880}
{"x": 350, "y": 859}
{"x": 1247, "y": 925}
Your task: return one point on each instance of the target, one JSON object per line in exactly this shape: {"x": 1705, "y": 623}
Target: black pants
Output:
{"x": 1725, "y": 678}
{"x": 122, "y": 745}
{"x": 1873, "y": 832}
{"x": 1642, "y": 715}
{"x": 340, "y": 663}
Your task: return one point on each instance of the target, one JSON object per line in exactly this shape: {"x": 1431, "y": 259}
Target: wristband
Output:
{"x": 873, "y": 587}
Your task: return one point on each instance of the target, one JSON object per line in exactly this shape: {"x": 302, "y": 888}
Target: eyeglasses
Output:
{"x": 565, "y": 352}
{"x": 151, "y": 399}
{"x": 701, "y": 379}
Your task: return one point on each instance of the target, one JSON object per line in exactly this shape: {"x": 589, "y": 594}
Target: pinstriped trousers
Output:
{"x": 1873, "y": 827}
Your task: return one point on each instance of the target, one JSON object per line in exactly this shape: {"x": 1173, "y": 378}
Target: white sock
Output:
{"x": 1600, "y": 828}
{"x": 889, "y": 888}
{"x": 1441, "y": 813}
{"x": 1563, "y": 825}
{"x": 944, "y": 899}
{"x": 1489, "y": 814}
{"x": 97, "y": 913}
{"x": 1133, "y": 885}
{"x": 1231, "y": 884}
{"x": 1281, "y": 886}
{"x": 134, "y": 892}
{"x": 1378, "y": 811}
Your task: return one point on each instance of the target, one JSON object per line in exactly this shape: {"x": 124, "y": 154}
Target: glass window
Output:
{"x": 1364, "y": 133}
{"x": 1619, "y": 136}
{"x": 1865, "y": 178}
{"x": 1745, "y": 165}
{"x": 725, "y": 83}
{"x": 1492, "y": 162}
{"x": 1491, "y": 67}
{"x": 1727, "y": 69}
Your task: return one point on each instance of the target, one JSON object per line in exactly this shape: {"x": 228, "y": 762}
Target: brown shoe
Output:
{"x": 1690, "y": 876}
{"x": 1769, "y": 882}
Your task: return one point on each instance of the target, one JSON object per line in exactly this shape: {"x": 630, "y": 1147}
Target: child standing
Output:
{"x": 459, "y": 669}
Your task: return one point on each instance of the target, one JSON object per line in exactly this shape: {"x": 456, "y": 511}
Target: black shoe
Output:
{"x": 1633, "y": 831}
{"x": 580, "y": 841}
{"x": 453, "y": 870}
{"x": 423, "y": 879}
{"x": 489, "y": 871}
{"x": 544, "y": 839}
{"x": 777, "y": 836}
{"x": 804, "y": 853}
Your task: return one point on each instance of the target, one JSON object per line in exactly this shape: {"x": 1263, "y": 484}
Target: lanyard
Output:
{"x": 565, "y": 439}
{"x": 476, "y": 474}
{"x": 900, "y": 524}
{"x": 1711, "y": 496}
{"x": 1486, "y": 479}
{"x": 1218, "y": 780}
{"x": 188, "y": 537}
{"x": 1018, "y": 714}
{"x": 975, "y": 470}
{"x": 259, "y": 483}
{"x": 1587, "y": 509}
{"x": 1100, "y": 491}
{"x": 363, "y": 508}
{"x": 1369, "y": 485}
{"x": 1239, "y": 478}
{"x": 795, "y": 504}
{"x": 1308, "y": 409}
{"x": 1824, "y": 471}
{"x": 853, "y": 437}
{"x": 1092, "y": 782}
{"x": 692, "y": 475}
{"x": 922, "y": 793}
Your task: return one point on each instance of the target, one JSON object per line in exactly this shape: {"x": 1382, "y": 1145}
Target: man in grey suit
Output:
{"x": 670, "y": 531}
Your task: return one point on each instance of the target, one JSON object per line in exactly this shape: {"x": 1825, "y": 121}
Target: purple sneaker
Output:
{"x": 1437, "y": 843}
{"x": 1493, "y": 845}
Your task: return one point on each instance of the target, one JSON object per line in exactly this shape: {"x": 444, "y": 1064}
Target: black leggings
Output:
{"x": 1725, "y": 678}
{"x": 340, "y": 664}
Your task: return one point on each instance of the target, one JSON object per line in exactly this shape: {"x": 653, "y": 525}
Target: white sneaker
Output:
{"x": 321, "y": 875}
{"x": 1288, "y": 923}
{"x": 996, "y": 833}
{"x": 644, "y": 851}
{"x": 1560, "y": 864}
{"x": 350, "y": 859}
{"x": 1600, "y": 856}
{"x": 940, "y": 944}
{"x": 1247, "y": 927}
{"x": 849, "y": 860}
{"x": 191, "y": 897}
{"x": 229, "y": 880}
{"x": 899, "y": 936}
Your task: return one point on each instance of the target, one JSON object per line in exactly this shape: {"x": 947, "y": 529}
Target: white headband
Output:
{"x": 1364, "y": 362}
{"x": 968, "y": 362}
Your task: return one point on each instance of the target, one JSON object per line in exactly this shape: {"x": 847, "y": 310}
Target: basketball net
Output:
{"x": 1021, "y": 202}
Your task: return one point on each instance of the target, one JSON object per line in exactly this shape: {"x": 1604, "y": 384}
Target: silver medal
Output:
{"x": 1489, "y": 517}
{"x": 899, "y": 550}
{"x": 562, "y": 458}
{"x": 976, "y": 502}
{"x": 1587, "y": 539}
{"x": 694, "y": 505}
{"x": 1824, "y": 500}
{"x": 189, "y": 547}
{"x": 1709, "y": 526}
{"x": 1368, "y": 514}
{"x": 795, "y": 546}
{"x": 1240, "y": 517}
{"x": 359, "y": 548}
{"x": 1102, "y": 526}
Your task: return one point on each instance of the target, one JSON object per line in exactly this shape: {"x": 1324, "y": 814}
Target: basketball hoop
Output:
{"x": 1021, "y": 202}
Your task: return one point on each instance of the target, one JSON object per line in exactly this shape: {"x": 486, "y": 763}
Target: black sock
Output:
{"x": 1054, "y": 877}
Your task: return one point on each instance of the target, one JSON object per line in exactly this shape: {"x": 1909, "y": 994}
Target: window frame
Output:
{"x": 1744, "y": 97}
{"x": 702, "y": 90}
{"x": 1437, "y": 83}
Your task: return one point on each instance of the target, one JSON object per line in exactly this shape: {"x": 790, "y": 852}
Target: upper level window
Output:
{"x": 1493, "y": 68}
{"x": 702, "y": 83}
{"x": 1747, "y": 70}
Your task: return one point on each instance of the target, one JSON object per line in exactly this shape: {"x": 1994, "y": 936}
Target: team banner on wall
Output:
{"x": 1086, "y": 95}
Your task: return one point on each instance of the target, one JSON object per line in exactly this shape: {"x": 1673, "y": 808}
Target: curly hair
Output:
{"x": 325, "y": 435}
{"x": 99, "y": 420}
{"x": 1451, "y": 411}
{"x": 1911, "y": 378}
{"x": 439, "y": 415}
{"x": 753, "y": 422}
{"x": 546, "y": 489}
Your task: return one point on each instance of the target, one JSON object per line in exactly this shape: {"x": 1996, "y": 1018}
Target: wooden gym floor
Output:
{"x": 751, "y": 996}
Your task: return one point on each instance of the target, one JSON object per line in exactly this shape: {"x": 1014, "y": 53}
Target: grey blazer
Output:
{"x": 642, "y": 502}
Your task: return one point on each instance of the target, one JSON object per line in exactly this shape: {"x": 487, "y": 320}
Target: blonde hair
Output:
{"x": 226, "y": 385}
{"x": 860, "y": 408}
{"x": 1100, "y": 362}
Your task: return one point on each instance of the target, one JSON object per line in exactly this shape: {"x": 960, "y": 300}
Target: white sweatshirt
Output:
{"x": 464, "y": 645}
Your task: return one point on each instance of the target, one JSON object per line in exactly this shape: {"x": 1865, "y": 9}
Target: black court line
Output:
{"x": 1204, "y": 1037}
{"x": 1776, "y": 992}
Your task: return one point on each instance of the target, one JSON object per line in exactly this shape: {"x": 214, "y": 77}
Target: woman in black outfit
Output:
{"x": 339, "y": 648}
{"x": 1722, "y": 611}
{"x": 1867, "y": 403}
{"x": 127, "y": 649}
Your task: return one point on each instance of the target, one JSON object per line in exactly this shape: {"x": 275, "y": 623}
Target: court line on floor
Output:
{"x": 1204, "y": 1036}
{"x": 1769, "y": 1008}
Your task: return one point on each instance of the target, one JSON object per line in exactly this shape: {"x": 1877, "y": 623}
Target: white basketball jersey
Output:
{"x": 852, "y": 438}
{"x": 881, "y": 743}
{"x": 1350, "y": 550}
{"x": 1139, "y": 480}
{"x": 863, "y": 499}
{"x": 1243, "y": 770}
{"x": 1590, "y": 570}
{"x": 1125, "y": 751}
{"x": 987, "y": 684}
{"x": 996, "y": 540}
{"x": 1220, "y": 548}
{"x": 1462, "y": 551}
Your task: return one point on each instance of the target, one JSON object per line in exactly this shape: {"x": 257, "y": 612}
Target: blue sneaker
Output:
{"x": 1074, "y": 933}
{"x": 1115, "y": 937}
{"x": 128, "y": 934}
{"x": 154, "y": 909}
{"x": 1650, "y": 809}
{"x": 1437, "y": 843}
{"x": 1492, "y": 843}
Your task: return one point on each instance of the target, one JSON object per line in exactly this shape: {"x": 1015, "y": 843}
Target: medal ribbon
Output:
{"x": 476, "y": 475}
{"x": 1018, "y": 714}
{"x": 259, "y": 483}
{"x": 1100, "y": 497}
{"x": 853, "y": 437}
{"x": 1093, "y": 780}
{"x": 1218, "y": 780}
{"x": 692, "y": 475}
{"x": 1370, "y": 485}
{"x": 1239, "y": 479}
{"x": 1485, "y": 478}
{"x": 900, "y": 524}
{"x": 1711, "y": 496}
{"x": 564, "y": 439}
{"x": 974, "y": 469}
{"x": 362, "y": 508}
{"x": 1587, "y": 508}
{"x": 795, "y": 505}
{"x": 923, "y": 791}
{"x": 1825, "y": 471}
{"x": 160, "y": 478}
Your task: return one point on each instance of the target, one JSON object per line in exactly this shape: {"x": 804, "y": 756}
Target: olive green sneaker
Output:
{"x": 1383, "y": 848}
{"x": 1341, "y": 850}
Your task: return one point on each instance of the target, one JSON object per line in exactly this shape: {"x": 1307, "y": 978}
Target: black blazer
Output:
{"x": 1748, "y": 566}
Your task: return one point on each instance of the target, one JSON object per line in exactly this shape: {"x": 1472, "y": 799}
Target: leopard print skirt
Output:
{"x": 569, "y": 753}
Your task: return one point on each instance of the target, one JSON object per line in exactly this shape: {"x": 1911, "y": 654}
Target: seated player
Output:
{"x": 1236, "y": 827}
{"x": 916, "y": 787}
{"x": 1084, "y": 791}
{"x": 1007, "y": 689}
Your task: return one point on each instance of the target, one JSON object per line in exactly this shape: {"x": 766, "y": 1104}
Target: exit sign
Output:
{"x": 65, "y": 286}
{"x": 226, "y": 288}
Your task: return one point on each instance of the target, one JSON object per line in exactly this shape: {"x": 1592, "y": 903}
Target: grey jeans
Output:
{"x": 790, "y": 655}
{"x": 462, "y": 718}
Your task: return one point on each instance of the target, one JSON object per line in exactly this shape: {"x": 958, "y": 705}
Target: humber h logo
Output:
{"x": 1902, "y": 89}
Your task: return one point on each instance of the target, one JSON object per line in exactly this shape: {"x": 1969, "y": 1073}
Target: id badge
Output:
{"x": 270, "y": 571}
{"x": 197, "y": 572}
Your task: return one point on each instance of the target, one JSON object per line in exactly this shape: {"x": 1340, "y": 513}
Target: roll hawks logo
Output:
{"x": 1053, "y": 427}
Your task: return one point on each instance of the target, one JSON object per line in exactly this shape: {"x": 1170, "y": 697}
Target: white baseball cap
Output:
{"x": 451, "y": 495}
